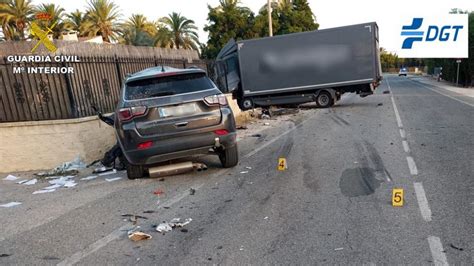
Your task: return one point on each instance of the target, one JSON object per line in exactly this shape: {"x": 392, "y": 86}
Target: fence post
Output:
{"x": 154, "y": 59}
{"x": 119, "y": 73}
{"x": 70, "y": 95}
{"x": 184, "y": 63}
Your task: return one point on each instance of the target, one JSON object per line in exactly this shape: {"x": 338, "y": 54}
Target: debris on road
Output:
{"x": 244, "y": 172}
{"x": 3, "y": 255}
{"x": 174, "y": 223}
{"x": 379, "y": 104}
{"x": 112, "y": 179}
{"x": 257, "y": 135}
{"x": 265, "y": 117}
{"x": 458, "y": 248}
{"x": 10, "y": 178}
{"x": 158, "y": 192}
{"x": 184, "y": 230}
{"x": 163, "y": 228}
{"x": 10, "y": 204}
{"x": 111, "y": 172}
{"x": 138, "y": 236}
{"x": 242, "y": 127}
{"x": 248, "y": 167}
{"x": 67, "y": 168}
{"x": 266, "y": 124}
{"x": 149, "y": 211}
{"x": 53, "y": 187}
{"x": 192, "y": 191}
{"x": 61, "y": 181}
{"x": 89, "y": 178}
{"x": 31, "y": 182}
{"x": 22, "y": 181}
{"x": 337, "y": 249}
{"x": 161, "y": 179}
{"x": 386, "y": 92}
{"x": 44, "y": 191}
{"x": 266, "y": 217}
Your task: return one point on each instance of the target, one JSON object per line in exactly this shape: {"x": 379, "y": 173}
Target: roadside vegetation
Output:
{"x": 228, "y": 20}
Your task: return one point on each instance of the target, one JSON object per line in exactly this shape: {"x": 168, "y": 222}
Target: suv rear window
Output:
{"x": 166, "y": 86}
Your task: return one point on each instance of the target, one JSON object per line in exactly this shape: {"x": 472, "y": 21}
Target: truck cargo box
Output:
{"x": 343, "y": 59}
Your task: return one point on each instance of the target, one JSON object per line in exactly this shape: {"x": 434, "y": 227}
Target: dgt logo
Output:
{"x": 432, "y": 34}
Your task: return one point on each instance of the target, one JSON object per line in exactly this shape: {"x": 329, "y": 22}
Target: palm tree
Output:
{"x": 16, "y": 14}
{"x": 137, "y": 30}
{"x": 183, "y": 31}
{"x": 102, "y": 17}
{"x": 75, "y": 21}
{"x": 56, "y": 14}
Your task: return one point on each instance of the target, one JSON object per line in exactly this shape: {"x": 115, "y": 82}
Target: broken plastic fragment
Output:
{"x": 52, "y": 187}
{"x": 109, "y": 173}
{"x": 112, "y": 179}
{"x": 70, "y": 184}
{"x": 44, "y": 191}
{"x": 10, "y": 178}
{"x": 89, "y": 177}
{"x": 244, "y": 172}
{"x": 164, "y": 227}
{"x": 10, "y": 204}
{"x": 137, "y": 236}
{"x": 31, "y": 182}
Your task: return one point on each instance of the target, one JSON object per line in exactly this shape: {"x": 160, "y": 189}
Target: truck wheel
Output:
{"x": 247, "y": 104}
{"x": 229, "y": 157}
{"x": 135, "y": 171}
{"x": 324, "y": 99}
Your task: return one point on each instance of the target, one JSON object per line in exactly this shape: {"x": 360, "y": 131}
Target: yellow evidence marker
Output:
{"x": 397, "y": 197}
{"x": 282, "y": 166}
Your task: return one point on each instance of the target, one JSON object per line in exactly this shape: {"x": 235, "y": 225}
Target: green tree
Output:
{"x": 102, "y": 17}
{"x": 137, "y": 30}
{"x": 56, "y": 13}
{"x": 288, "y": 16}
{"x": 16, "y": 16}
{"x": 229, "y": 20}
{"x": 183, "y": 31}
{"x": 76, "y": 21}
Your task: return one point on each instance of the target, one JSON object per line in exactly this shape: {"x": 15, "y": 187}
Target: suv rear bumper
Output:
{"x": 178, "y": 148}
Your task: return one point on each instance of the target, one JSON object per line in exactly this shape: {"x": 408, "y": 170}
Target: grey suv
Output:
{"x": 167, "y": 113}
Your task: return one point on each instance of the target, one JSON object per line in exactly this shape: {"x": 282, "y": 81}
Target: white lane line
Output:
{"x": 78, "y": 256}
{"x": 449, "y": 96}
{"x": 412, "y": 165}
{"x": 405, "y": 146}
{"x": 403, "y": 134}
{"x": 397, "y": 115}
{"x": 437, "y": 251}
{"x": 116, "y": 234}
{"x": 422, "y": 201}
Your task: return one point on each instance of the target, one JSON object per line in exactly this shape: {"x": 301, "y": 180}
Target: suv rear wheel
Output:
{"x": 229, "y": 157}
{"x": 135, "y": 171}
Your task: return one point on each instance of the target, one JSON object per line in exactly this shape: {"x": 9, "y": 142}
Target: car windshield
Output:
{"x": 166, "y": 86}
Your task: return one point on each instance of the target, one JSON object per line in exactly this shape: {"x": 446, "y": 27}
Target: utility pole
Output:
{"x": 457, "y": 75}
{"x": 269, "y": 10}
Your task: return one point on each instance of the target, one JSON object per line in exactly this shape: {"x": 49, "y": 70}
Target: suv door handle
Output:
{"x": 181, "y": 124}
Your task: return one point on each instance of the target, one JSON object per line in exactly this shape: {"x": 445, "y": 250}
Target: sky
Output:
{"x": 329, "y": 13}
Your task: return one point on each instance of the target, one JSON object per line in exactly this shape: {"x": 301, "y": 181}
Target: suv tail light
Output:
{"x": 218, "y": 99}
{"x": 126, "y": 114}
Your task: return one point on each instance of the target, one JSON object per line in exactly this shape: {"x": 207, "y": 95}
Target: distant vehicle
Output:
{"x": 167, "y": 113}
{"x": 403, "y": 72}
{"x": 302, "y": 67}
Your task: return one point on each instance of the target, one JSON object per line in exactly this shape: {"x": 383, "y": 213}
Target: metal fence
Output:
{"x": 96, "y": 81}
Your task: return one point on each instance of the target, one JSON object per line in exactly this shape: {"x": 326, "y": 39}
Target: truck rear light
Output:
{"x": 221, "y": 132}
{"x": 126, "y": 114}
{"x": 218, "y": 99}
{"x": 144, "y": 145}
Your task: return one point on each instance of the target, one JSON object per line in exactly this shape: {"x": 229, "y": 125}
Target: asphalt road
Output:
{"x": 331, "y": 206}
